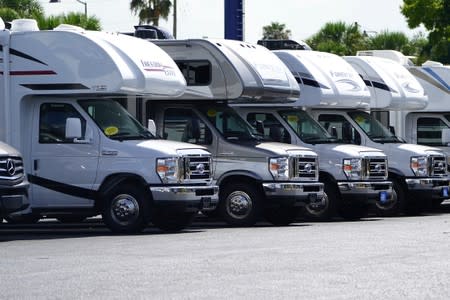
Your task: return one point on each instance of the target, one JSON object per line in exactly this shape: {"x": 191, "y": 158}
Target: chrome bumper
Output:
{"x": 207, "y": 195}
{"x": 293, "y": 189}
{"x": 365, "y": 187}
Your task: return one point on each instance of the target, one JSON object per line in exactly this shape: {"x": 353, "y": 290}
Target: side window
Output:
{"x": 196, "y": 72}
{"x": 429, "y": 131}
{"x": 269, "y": 126}
{"x": 340, "y": 128}
{"x": 185, "y": 126}
{"x": 52, "y": 122}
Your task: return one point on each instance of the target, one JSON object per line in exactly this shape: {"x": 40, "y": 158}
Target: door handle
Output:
{"x": 35, "y": 164}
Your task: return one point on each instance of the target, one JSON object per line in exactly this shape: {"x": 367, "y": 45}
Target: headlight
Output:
{"x": 419, "y": 165}
{"x": 352, "y": 168}
{"x": 168, "y": 169}
{"x": 279, "y": 167}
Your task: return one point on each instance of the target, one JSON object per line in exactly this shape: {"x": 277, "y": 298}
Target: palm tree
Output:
{"x": 339, "y": 38}
{"x": 276, "y": 31}
{"x": 150, "y": 11}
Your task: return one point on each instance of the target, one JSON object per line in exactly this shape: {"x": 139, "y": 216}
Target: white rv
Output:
{"x": 428, "y": 125}
{"x": 355, "y": 177}
{"x": 256, "y": 178}
{"x": 84, "y": 153}
{"x": 419, "y": 173}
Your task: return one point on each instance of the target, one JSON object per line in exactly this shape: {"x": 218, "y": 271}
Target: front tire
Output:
{"x": 240, "y": 204}
{"x": 126, "y": 209}
{"x": 326, "y": 209}
{"x": 395, "y": 206}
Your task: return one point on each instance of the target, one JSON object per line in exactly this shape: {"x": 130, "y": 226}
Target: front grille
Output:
{"x": 11, "y": 168}
{"x": 438, "y": 166}
{"x": 197, "y": 167}
{"x": 376, "y": 167}
{"x": 305, "y": 167}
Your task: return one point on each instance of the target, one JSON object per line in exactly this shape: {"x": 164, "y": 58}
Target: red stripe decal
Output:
{"x": 21, "y": 73}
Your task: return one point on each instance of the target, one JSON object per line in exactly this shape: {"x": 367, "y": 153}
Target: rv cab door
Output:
{"x": 63, "y": 168}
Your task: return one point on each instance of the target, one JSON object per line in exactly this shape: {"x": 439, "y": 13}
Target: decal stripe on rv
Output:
{"x": 63, "y": 187}
{"x": 437, "y": 77}
{"x": 55, "y": 86}
{"x": 23, "y": 55}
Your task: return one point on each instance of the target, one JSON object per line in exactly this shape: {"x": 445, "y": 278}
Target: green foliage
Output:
{"x": 150, "y": 11}
{"x": 276, "y": 31}
{"x": 77, "y": 19}
{"x": 339, "y": 38}
{"x": 13, "y": 9}
{"x": 435, "y": 16}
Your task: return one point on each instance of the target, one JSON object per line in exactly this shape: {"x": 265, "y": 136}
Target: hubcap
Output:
{"x": 318, "y": 207}
{"x": 390, "y": 203}
{"x": 124, "y": 209}
{"x": 239, "y": 205}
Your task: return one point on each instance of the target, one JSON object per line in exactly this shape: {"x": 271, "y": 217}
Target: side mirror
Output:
{"x": 392, "y": 130}
{"x": 260, "y": 127}
{"x": 446, "y": 136}
{"x": 151, "y": 126}
{"x": 73, "y": 128}
{"x": 334, "y": 132}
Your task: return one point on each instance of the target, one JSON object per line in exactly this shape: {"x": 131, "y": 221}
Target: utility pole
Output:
{"x": 174, "y": 18}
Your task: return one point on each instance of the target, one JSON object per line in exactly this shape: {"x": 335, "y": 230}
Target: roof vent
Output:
{"x": 24, "y": 25}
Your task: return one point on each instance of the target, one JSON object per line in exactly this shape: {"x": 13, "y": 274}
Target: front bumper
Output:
{"x": 365, "y": 192}
{"x": 13, "y": 198}
{"x": 293, "y": 193}
{"x": 186, "y": 198}
{"x": 429, "y": 188}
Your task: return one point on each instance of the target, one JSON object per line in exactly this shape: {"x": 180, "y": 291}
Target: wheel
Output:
{"x": 240, "y": 203}
{"x": 23, "y": 219}
{"x": 326, "y": 208}
{"x": 395, "y": 205}
{"x": 71, "y": 219}
{"x": 172, "y": 221}
{"x": 281, "y": 216}
{"x": 126, "y": 209}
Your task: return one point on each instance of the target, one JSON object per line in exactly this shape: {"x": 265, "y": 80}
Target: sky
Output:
{"x": 205, "y": 18}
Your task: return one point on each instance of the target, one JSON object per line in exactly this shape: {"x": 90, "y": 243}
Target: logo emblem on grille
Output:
{"x": 10, "y": 167}
{"x": 200, "y": 168}
{"x": 440, "y": 166}
{"x": 308, "y": 168}
{"x": 377, "y": 168}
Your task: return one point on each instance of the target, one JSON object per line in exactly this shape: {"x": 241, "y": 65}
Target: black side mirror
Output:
{"x": 392, "y": 130}
{"x": 260, "y": 127}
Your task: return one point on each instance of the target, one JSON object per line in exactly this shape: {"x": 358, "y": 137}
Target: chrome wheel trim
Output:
{"x": 239, "y": 205}
{"x": 124, "y": 209}
{"x": 318, "y": 208}
{"x": 391, "y": 204}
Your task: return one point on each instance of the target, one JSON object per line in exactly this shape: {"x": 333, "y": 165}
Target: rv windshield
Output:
{"x": 114, "y": 121}
{"x": 373, "y": 129}
{"x": 230, "y": 124}
{"x": 307, "y": 129}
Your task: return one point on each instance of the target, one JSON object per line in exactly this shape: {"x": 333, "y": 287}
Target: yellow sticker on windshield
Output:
{"x": 111, "y": 130}
{"x": 359, "y": 119}
{"x": 211, "y": 113}
{"x": 292, "y": 118}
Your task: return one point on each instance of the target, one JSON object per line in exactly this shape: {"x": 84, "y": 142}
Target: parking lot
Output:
{"x": 375, "y": 258}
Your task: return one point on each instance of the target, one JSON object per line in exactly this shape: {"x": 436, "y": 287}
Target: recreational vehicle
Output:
{"x": 256, "y": 178}
{"x": 84, "y": 154}
{"x": 418, "y": 173}
{"x": 355, "y": 177}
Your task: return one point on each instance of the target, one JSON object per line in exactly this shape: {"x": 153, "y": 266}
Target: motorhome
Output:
{"x": 84, "y": 154}
{"x": 419, "y": 173}
{"x": 355, "y": 177}
{"x": 13, "y": 181}
{"x": 256, "y": 178}
{"x": 429, "y": 125}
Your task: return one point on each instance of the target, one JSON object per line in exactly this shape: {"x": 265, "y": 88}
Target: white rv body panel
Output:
{"x": 325, "y": 79}
{"x": 391, "y": 86}
{"x": 53, "y": 76}
{"x": 248, "y": 72}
